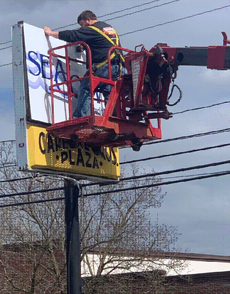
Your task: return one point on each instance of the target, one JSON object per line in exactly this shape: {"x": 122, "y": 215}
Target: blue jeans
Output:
{"x": 84, "y": 98}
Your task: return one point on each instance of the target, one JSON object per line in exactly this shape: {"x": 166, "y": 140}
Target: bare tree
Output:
{"x": 117, "y": 235}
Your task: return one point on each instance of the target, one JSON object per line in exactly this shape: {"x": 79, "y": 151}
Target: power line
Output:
{"x": 32, "y": 202}
{"x": 180, "y": 138}
{"x": 218, "y": 174}
{"x": 175, "y": 20}
{"x": 125, "y": 179}
{"x": 177, "y": 170}
{"x": 137, "y": 160}
{"x": 158, "y": 184}
{"x": 161, "y": 24}
{"x": 166, "y": 172}
{"x": 165, "y": 141}
{"x": 6, "y": 48}
{"x": 6, "y": 64}
{"x": 138, "y": 11}
{"x": 202, "y": 107}
{"x": 189, "y": 136}
{"x": 17, "y": 179}
{"x": 125, "y": 9}
{"x": 8, "y": 165}
{"x": 111, "y": 13}
{"x": 176, "y": 153}
{"x": 3, "y": 43}
{"x": 30, "y": 192}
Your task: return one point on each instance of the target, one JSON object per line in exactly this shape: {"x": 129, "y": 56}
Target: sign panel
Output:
{"x": 37, "y": 150}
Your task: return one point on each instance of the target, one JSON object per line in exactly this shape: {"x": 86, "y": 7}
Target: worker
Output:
{"x": 100, "y": 37}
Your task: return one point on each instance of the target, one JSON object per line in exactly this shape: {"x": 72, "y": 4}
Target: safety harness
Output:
{"x": 117, "y": 52}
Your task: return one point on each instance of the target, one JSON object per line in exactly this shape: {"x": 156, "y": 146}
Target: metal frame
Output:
{"x": 19, "y": 79}
{"x": 126, "y": 128}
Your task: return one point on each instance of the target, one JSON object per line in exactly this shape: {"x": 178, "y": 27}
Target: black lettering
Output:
{"x": 70, "y": 158}
{"x": 108, "y": 156}
{"x": 40, "y": 141}
{"x": 102, "y": 153}
{"x": 50, "y": 144}
{"x": 64, "y": 156}
{"x": 72, "y": 144}
{"x": 65, "y": 143}
{"x": 114, "y": 161}
{"x": 80, "y": 158}
{"x": 88, "y": 159}
{"x": 57, "y": 143}
{"x": 95, "y": 162}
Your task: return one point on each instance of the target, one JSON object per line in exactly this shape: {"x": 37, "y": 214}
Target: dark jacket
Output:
{"x": 98, "y": 44}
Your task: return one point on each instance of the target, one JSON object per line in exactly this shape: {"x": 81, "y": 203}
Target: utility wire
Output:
{"x": 158, "y": 184}
{"x": 5, "y": 43}
{"x": 6, "y": 64}
{"x": 165, "y": 172}
{"x": 114, "y": 12}
{"x": 124, "y": 179}
{"x": 31, "y": 192}
{"x": 17, "y": 179}
{"x": 6, "y": 48}
{"x": 8, "y": 165}
{"x": 176, "y": 153}
{"x": 202, "y": 107}
{"x": 189, "y": 136}
{"x": 182, "y": 137}
{"x": 175, "y": 20}
{"x": 32, "y": 202}
{"x": 137, "y": 160}
{"x": 125, "y": 9}
{"x": 150, "y": 27}
{"x": 122, "y": 190}
{"x": 167, "y": 155}
{"x": 155, "y": 6}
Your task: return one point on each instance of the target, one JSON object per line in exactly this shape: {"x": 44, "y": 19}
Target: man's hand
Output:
{"x": 49, "y": 32}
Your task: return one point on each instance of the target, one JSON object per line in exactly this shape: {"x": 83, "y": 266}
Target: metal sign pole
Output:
{"x": 73, "y": 252}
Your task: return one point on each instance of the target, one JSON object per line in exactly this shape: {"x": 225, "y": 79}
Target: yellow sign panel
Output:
{"x": 66, "y": 156}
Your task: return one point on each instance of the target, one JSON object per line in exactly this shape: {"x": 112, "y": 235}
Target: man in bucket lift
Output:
{"x": 100, "y": 37}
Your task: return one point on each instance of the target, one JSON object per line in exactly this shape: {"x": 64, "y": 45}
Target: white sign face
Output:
{"x": 38, "y": 73}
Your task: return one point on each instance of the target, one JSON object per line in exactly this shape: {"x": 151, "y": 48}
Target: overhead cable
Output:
{"x": 155, "y": 174}
{"x": 138, "y": 11}
{"x": 175, "y": 20}
{"x": 6, "y": 64}
{"x": 158, "y": 184}
{"x": 176, "y": 153}
{"x": 139, "y": 30}
{"x": 6, "y": 48}
{"x": 128, "y": 8}
{"x": 30, "y": 192}
{"x": 111, "y": 13}
{"x": 125, "y": 179}
{"x": 202, "y": 107}
{"x": 218, "y": 174}
{"x": 190, "y": 136}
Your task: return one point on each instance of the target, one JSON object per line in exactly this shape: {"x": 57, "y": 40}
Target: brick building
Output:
{"x": 200, "y": 273}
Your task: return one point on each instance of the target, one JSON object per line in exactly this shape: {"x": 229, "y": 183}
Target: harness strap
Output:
{"x": 111, "y": 41}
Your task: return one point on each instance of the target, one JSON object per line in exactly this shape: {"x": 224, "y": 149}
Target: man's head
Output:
{"x": 86, "y": 18}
